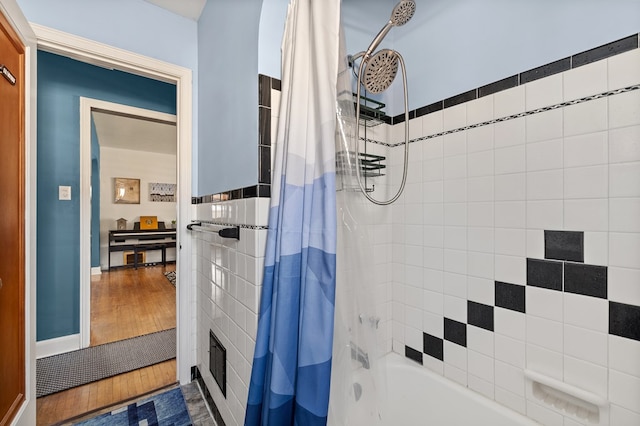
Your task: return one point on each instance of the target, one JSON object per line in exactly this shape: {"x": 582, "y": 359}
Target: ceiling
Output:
{"x": 135, "y": 133}
{"x": 188, "y": 8}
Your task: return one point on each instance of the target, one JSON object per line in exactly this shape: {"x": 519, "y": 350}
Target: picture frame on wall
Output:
{"x": 126, "y": 191}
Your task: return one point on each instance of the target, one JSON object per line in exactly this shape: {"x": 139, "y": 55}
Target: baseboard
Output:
{"x": 57, "y": 345}
{"x": 96, "y": 270}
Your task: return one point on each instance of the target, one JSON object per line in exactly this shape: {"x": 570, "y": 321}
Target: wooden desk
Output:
{"x": 137, "y": 240}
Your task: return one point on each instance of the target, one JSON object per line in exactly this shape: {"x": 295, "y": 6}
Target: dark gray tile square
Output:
{"x": 413, "y": 354}
{"x": 544, "y": 273}
{"x": 480, "y": 315}
{"x": 433, "y": 346}
{"x": 624, "y": 320}
{"x": 510, "y": 296}
{"x": 455, "y": 332}
{"x": 564, "y": 245}
{"x": 588, "y": 280}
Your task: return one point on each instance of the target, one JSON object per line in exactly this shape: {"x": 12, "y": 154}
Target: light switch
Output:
{"x": 64, "y": 192}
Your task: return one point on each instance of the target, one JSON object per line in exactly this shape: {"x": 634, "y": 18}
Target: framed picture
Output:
{"x": 127, "y": 191}
{"x": 162, "y": 192}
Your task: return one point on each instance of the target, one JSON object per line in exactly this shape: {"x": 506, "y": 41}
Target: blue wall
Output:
{"x": 228, "y": 94}
{"x": 61, "y": 83}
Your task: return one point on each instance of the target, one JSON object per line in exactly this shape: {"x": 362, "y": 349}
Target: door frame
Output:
{"x": 110, "y": 57}
{"x": 86, "y": 106}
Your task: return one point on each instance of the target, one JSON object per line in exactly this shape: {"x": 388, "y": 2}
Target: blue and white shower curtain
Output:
{"x": 292, "y": 360}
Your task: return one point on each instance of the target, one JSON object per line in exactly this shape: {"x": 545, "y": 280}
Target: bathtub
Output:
{"x": 415, "y": 395}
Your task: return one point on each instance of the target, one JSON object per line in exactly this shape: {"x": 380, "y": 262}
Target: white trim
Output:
{"x": 96, "y": 270}
{"x": 86, "y": 106}
{"x": 110, "y": 57}
{"x": 58, "y": 345}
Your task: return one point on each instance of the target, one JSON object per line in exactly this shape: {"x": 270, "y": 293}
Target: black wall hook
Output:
{"x": 230, "y": 233}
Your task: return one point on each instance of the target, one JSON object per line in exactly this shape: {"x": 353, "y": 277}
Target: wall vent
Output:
{"x": 218, "y": 362}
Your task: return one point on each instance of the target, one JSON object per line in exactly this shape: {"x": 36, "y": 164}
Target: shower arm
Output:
{"x": 406, "y": 133}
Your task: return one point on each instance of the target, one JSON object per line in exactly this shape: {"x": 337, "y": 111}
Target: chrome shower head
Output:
{"x": 380, "y": 70}
{"x": 401, "y": 14}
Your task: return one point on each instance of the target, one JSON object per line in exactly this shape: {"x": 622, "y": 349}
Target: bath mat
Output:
{"x": 64, "y": 371}
{"x": 167, "y": 408}
{"x": 171, "y": 276}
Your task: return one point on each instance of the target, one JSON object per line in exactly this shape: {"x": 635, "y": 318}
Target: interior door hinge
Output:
{"x": 7, "y": 75}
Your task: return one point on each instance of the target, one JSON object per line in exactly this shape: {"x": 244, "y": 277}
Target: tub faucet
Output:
{"x": 359, "y": 355}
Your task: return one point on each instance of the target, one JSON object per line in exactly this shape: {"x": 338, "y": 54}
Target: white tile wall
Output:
{"x": 571, "y": 168}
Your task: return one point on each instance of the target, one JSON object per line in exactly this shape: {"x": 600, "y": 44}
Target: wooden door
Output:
{"x": 12, "y": 225}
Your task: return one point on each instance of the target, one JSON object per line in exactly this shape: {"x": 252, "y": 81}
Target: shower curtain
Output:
{"x": 291, "y": 371}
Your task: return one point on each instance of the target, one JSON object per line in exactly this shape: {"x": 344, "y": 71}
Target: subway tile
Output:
{"x": 624, "y": 354}
{"x": 509, "y": 322}
{"x": 433, "y": 302}
{"x": 480, "y": 164}
{"x": 454, "y": 117}
{"x": 588, "y": 280}
{"x": 428, "y": 109}
{"x": 413, "y": 354}
{"x": 624, "y": 320}
{"x": 564, "y": 245}
{"x": 543, "y": 414}
{"x": 605, "y": 51}
{"x": 480, "y": 239}
{"x": 510, "y": 378}
{"x": 480, "y": 315}
{"x": 455, "y": 374}
{"x": 455, "y": 355}
{"x": 544, "y": 303}
{"x": 586, "y": 150}
{"x": 596, "y": 248}
{"x": 455, "y": 144}
{"x": 483, "y": 387}
{"x": 587, "y": 214}
{"x": 433, "y": 346}
{"x": 624, "y": 144}
{"x": 509, "y": 399}
{"x": 585, "y": 375}
{"x": 624, "y": 249}
{"x": 432, "y": 324}
{"x": 511, "y": 269}
{"x": 510, "y": 296}
{"x": 509, "y": 160}
{"x": 509, "y": 102}
{"x": 454, "y": 190}
{"x": 544, "y": 274}
{"x": 480, "y": 110}
{"x": 544, "y": 126}
{"x": 480, "y": 340}
{"x": 480, "y": 265}
{"x": 624, "y": 109}
{"x": 624, "y": 285}
{"x": 622, "y": 416}
{"x": 511, "y": 187}
{"x": 461, "y": 98}
{"x": 498, "y": 86}
{"x": 480, "y": 189}
{"x": 545, "y": 214}
{"x": 510, "y": 350}
{"x": 431, "y": 125}
{"x": 623, "y": 69}
{"x": 545, "y": 155}
{"x": 510, "y": 241}
{"x": 455, "y": 308}
{"x": 455, "y": 285}
{"x": 624, "y": 180}
{"x": 586, "y": 312}
{"x": 510, "y": 132}
{"x": 480, "y": 139}
{"x": 481, "y": 290}
{"x": 545, "y": 185}
{"x": 455, "y": 332}
{"x": 480, "y": 214}
{"x": 586, "y": 344}
{"x": 545, "y": 333}
{"x": 586, "y": 80}
{"x": 535, "y": 243}
{"x": 455, "y": 261}
{"x": 586, "y": 182}
{"x": 545, "y": 70}
{"x": 510, "y": 214}
{"x": 624, "y": 390}
{"x": 585, "y": 117}
{"x": 543, "y": 92}
{"x": 480, "y": 365}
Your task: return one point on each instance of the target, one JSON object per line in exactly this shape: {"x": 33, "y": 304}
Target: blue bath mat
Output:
{"x": 165, "y": 409}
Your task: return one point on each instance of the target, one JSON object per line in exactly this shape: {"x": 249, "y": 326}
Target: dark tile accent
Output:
{"x": 412, "y": 354}
{"x": 398, "y": 119}
{"x": 588, "y": 280}
{"x": 564, "y": 245}
{"x": 480, "y": 315}
{"x": 605, "y": 51}
{"x": 544, "y": 273}
{"x": 498, "y": 86}
{"x": 624, "y": 320}
{"x": 264, "y": 90}
{"x": 264, "y": 191}
{"x": 461, "y": 98}
{"x": 250, "y": 191}
{"x": 264, "y": 129}
{"x": 545, "y": 70}
{"x": 276, "y": 84}
{"x": 194, "y": 372}
{"x": 510, "y": 296}
{"x": 209, "y": 400}
{"x": 264, "y": 168}
{"x": 436, "y": 106}
{"x": 196, "y": 200}
{"x": 236, "y": 194}
{"x": 433, "y": 346}
{"x": 387, "y": 119}
{"x": 455, "y": 332}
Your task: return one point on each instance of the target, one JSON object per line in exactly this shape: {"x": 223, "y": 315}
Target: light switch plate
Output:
{"x": 64, "y": 192}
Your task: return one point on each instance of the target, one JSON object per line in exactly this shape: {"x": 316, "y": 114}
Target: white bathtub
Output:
{"x": 416, "y": 396}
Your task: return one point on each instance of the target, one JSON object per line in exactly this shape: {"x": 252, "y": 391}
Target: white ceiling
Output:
{"x": 188, "y": 8}
{"x": 135, "y": 133}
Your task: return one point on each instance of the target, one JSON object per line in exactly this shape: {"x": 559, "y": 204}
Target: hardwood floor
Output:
{"x": 124, "y": 303}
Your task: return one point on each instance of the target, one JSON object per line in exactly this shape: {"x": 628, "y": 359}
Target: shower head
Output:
{"x": 401, "y": 14}
{"x": 380, "y": 70}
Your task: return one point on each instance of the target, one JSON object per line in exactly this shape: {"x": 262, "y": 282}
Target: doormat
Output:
{"x": 68, "y": 370}
{"x": 171, "y": 276}
{"x": 167, "y": 408}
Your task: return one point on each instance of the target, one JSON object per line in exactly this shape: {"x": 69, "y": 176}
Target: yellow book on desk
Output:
{"x": 148, "y": 222}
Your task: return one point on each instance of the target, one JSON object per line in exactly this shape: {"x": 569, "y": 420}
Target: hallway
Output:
{"x": 124, "y": 303}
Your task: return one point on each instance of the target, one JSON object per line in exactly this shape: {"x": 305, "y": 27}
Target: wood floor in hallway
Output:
{"x": 124, "y": 303}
